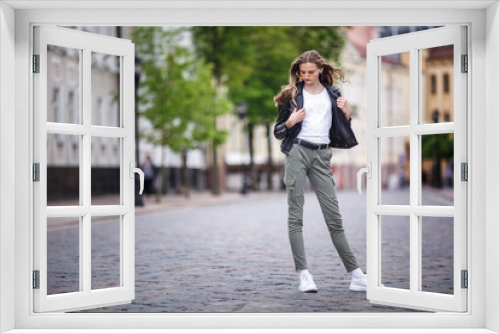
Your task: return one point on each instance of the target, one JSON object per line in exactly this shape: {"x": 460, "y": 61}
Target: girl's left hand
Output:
{"x": 344, "y": 106}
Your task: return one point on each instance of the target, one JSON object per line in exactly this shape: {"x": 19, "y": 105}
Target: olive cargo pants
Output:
{"x": 302, "y": 162}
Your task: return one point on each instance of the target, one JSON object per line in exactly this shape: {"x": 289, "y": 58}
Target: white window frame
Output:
{"x": 413, "y": 213}
{"x": 86, "y": 297}
{"x": 484, "y": 213}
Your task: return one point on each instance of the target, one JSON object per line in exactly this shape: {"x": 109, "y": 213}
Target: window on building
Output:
{"x": 435, "y": 116}
{"x": 73, "y": 116}
{"x": 433, "y": 84}
{"x": 55, "y": 104}
{"x": 71, "y": 108}
{"x": 57, "y": 117}
{"x": 100, "y": 120}
{"x": 446, "y": 79}
{"x": 403, "y": 30}
{"x": 113, "y": 108}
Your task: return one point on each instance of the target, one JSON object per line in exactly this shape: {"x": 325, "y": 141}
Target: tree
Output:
{"x": 266, "y": 80}
{"x": 233, "y": 62}
{"x": 178, "y": 95}
{"x": 437, "y": 147}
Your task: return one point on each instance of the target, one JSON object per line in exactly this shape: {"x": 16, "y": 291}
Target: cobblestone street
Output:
{"x": 235, "y": 256}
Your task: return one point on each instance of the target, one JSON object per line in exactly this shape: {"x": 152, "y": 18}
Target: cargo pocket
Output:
{"x": 291, "y": 150}
{"x": 290, "y": 185}
{"x": 333, "y": 181}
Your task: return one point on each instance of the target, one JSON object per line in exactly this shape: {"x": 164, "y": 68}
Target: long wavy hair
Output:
{"x": 328, "y": 75}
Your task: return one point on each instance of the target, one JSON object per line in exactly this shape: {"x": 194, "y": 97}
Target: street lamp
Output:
{"x": 138, "y": 69}
{"x": 241, "y": 109}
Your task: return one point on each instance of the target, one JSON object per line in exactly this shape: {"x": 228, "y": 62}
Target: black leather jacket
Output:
{"x": 341, "y": 134}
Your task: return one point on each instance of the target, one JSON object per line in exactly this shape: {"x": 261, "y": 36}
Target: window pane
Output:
{"x": 437, "y": 254}
{"x": 105, "y": 252}
{"x": 63, "y": 169}
{"x": 395, "y": 170}
{"x": 437, "y": 169}
{"x": 63, "y": 84}
{"x": 395, "y": 238}
{"x": 395, "y": 90}
{"x": 105, "y": 79}
{"x": 105, "y": 172}
{"x": 63, "y": 255}
{"x": 437, "y": 84}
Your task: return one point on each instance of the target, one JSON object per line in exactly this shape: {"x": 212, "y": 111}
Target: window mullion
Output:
{"x": 85, "y": 236}
{"x": 415, "y": 108}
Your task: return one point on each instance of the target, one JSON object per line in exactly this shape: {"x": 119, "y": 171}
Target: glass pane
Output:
{"x": 395, "y": 238}
{"x": 437, "y": 254}
{"x": 437, "y": 169}
{"x": 395, "y": 90}
{"x": 105, "y": 80}
{"x": 63, "y": 169}
{"x": 63, "y": 255}
{"x": 395, "y": 170}
{"x": 437, "y": 84}
{"x": 105, "y": 171}
{"x": 105, "y": 252}
{"x": 63, "y": 84}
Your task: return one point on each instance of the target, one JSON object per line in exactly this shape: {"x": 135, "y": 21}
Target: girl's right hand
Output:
{"x": 296, "y": 116}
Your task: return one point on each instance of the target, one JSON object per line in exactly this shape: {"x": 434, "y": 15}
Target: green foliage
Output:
{"x": 431, "y": 142}
{"x": 228, "y": 49}
{"x": 276, "y": 53}
{"x": 328, "y": 41}
{"x": 177, "y": 90}
{"x": 254, "y": 62}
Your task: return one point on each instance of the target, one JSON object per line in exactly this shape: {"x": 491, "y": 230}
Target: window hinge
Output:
{"x": 36, "y": 279}
{"x": 465, "y": 279}
{"x": 36, "y": 172}
{"x": 36, "y": 63}
{"x": 465, "y": 172}
{"x": 465, "y": 63}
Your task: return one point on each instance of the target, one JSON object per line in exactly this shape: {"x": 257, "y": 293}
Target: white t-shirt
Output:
{"x": 318, "y": 120}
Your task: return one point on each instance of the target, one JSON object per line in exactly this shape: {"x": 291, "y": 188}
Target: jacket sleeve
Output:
{"x": 337, "y": 91}
{"x": 280, "y": 129}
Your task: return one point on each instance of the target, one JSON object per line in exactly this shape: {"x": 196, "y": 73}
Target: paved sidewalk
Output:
{"x": 199, "y": 199}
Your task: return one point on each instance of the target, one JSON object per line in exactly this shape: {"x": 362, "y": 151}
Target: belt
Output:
{"x": 310, "y": 145}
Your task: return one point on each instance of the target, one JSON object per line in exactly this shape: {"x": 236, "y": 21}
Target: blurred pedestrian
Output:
{"x": 312, "y": 118}
{"x": 448, "y": 174}
{"x": 393, "y": 182}
{"x": 402, "y": 174}
{"x": 247, "y": 183}
{"x": 149, "y": 175}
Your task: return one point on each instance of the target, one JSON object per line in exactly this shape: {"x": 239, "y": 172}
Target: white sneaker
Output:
{"x": 358, "y": 284}
{"x": 307, "y": 283}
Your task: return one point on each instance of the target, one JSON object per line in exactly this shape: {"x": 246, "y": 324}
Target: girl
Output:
{"x": 312, "y": 119}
